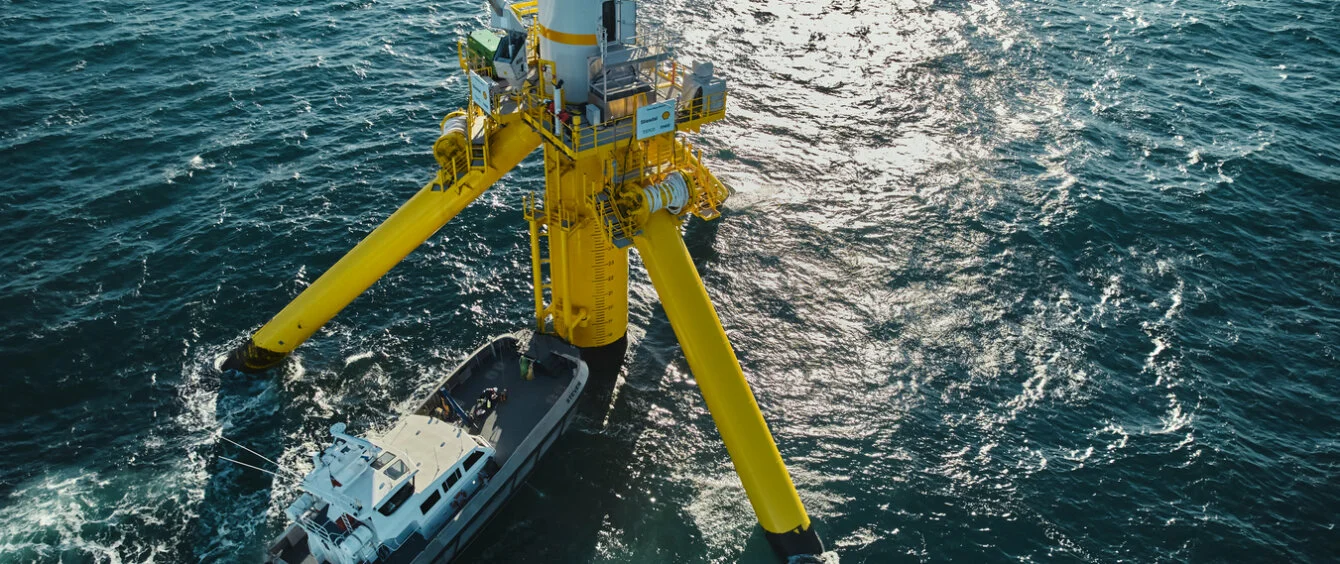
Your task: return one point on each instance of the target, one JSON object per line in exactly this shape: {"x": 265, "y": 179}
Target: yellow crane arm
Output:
{"x": 406, "y": 229}
{"x": 722, "y": 383}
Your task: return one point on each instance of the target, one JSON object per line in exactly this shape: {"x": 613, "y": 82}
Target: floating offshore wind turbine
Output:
{"x": 611, "y": 108}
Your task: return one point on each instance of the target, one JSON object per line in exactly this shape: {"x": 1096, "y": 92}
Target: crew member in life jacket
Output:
{"x": 487, "y": 402}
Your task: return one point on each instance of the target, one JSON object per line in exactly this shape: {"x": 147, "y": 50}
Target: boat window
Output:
{"x": 474, "y": 457}
{"x": 396, "y": 470}
{"x": 430, "y": 502}
{"x": 382, "y": 460}
{"x": 397, "y": 499}
{"x": 452, "y": 479}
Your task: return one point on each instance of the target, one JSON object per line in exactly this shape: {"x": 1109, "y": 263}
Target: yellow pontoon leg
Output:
{"x": 382, "y": 249}
{"x": 724, "y": 388}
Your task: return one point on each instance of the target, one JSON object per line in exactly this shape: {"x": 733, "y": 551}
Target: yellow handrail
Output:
{"x": 523, "y": 10}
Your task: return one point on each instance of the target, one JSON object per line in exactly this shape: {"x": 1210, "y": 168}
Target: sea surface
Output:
{"x": 1042, "y": 281}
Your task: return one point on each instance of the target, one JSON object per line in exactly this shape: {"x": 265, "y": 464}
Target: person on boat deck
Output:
{"x": 488, "y": 400}
{"x": 494, "y": 394}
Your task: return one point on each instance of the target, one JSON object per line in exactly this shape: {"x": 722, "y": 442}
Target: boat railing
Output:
{"x": 520, "y": 471}
{"x": 323, "y": 527}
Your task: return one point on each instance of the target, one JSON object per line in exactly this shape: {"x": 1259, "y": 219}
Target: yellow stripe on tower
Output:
{"x": 567, "y": 38}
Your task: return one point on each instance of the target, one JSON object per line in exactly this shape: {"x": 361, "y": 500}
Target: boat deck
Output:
{"x": 527, "y": 402}
{"x": 497, "y": 364}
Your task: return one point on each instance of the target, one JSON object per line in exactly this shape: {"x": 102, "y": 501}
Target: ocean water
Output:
{"x": 1013, "y": 281}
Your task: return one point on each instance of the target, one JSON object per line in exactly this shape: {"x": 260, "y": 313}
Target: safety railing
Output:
{"x": 452, "y": 170}
{"x": 700, "y": 110}
{"x": 667, "y": 80}
{"x": 523, "y": 10}
{"x": 711, "y": 192}
{"x": 576, "y": 137}
{"x": 707, "y": 192}
{"x": 533, "y": 211}
{"x": 660, "y": 160}
{"x": 533, "y": 46}
{"x": 647, "y": 37}
{"x": 453, "y": 154}
{"x": 471, "y": 62}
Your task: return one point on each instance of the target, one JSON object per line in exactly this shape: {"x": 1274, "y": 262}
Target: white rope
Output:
{"x": 253, "y": 467}
{"x": 672, "y": 194}
{"x": 281, "y": 466}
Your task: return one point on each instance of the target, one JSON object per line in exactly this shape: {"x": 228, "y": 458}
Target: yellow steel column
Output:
{"x": 589, "y": 274}
{"x": 382, "y": 249}
{"x": 728, "y": 397}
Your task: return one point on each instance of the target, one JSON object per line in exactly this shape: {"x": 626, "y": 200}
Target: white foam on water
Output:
{"x": 357, "y": 357}
{"x": 609, "y": 542}
{"x": 1123, "y": 437}
{"x": 1175, "y": 299}
{"x": 1175, "y": 419}
{"x": 830, "y": 557}
{"x": 95, "y": 514}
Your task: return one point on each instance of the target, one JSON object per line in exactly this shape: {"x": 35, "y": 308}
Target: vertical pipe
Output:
{"x": 537, "y": 277}
{"x": 567, "y": 271}
{"x": 589, "y": 275}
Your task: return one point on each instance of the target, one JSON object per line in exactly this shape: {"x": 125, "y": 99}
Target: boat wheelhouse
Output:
{"x": 420, "y": 491}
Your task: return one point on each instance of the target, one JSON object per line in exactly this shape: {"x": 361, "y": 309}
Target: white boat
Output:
{"x": 421, "y": 491}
